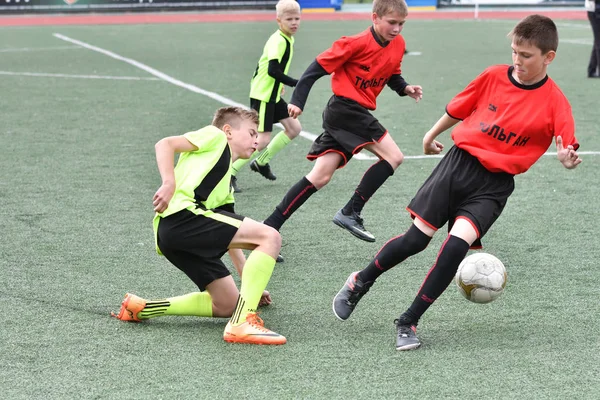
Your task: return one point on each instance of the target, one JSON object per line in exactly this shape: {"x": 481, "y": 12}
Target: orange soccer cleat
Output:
{"x": 130, "y": 307}
{"x": 252, "y": 331}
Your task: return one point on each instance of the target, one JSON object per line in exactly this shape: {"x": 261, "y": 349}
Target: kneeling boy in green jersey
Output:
{"x": 195, "y": 224}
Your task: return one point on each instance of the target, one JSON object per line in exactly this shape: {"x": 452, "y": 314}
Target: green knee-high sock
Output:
{"x": 255, "y": 276}
{"x": 275, "y": 145}
{"x": 239, "y": 164}
{"x": 198, "y": 304}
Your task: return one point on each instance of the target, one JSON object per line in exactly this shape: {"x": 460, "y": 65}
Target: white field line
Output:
{"x": 222, "y": 99}
{"x": 177, "y": 82}
{"x": 24, "y": 49}
{"x": 586, "y": 42}
{"x": 47, "y": 75}
{"x": 584, "y": 25}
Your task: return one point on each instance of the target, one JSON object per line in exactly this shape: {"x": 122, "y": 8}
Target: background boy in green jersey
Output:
{"x": 266, "y": 88}
{"x": 195, "y": 225}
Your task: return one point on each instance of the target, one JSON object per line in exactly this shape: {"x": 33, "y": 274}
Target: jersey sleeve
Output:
{"x": 339, "y": 52}
{"x": 276, "y": 48}
{"x": 206, "y": 139}
{"x": 464, "y": 103}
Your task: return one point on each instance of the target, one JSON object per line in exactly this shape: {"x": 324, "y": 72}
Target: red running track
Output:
{"x": 171, "y": 18}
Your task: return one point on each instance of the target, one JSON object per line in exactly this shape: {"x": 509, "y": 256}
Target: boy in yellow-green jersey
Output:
{"x": 195, "y": 224}
{"x": 266, "y": 88}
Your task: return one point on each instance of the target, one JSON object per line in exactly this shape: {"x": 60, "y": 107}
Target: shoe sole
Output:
{"x": 247, "y": 341}
{"x": 409, "y": 347}
{"x": 356, "y": 234}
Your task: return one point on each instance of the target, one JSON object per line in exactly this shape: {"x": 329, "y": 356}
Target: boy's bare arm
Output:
{"x": 432, "y": 146}
{"x": 165, "y": 159}
{"x": 238, "y": 259}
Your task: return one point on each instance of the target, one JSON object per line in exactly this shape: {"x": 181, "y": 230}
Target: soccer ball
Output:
{"x": 481, "y": 278}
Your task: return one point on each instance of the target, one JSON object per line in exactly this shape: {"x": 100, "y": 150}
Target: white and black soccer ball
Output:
{"x": 481, "y": 278}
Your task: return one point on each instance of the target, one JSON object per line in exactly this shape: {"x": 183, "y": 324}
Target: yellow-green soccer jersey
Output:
{"x": 263, "y": 86}
{"x": 203, "y": 177}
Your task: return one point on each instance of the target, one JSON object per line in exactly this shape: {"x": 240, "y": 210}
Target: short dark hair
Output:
{"x": 233, "y": 116}
{"x": 383, "y": 7}
{"x": 538, "y": 30}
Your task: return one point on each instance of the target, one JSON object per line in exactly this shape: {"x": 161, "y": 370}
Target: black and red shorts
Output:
{"x": 461, "y": 187}
{"x": 347, "y": 128}
{"x": 195, "y": 242}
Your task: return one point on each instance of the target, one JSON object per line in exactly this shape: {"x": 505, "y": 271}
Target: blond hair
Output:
{"x": 286, "y": 6}
{"x": 536, "y": 30}
{"x": 384, "y": 7}
{"x": 233, "y": 116}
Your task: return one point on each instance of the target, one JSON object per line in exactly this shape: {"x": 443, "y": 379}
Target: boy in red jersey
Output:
{"x": 510, "y": 115}
{"x": 360, "y": 66}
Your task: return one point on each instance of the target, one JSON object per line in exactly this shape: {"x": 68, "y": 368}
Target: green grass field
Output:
{"x": 78, "y": 175}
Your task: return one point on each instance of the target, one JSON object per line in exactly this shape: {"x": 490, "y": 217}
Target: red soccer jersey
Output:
{"x": 361, "y": 65}
{"x": 509, "y": 126}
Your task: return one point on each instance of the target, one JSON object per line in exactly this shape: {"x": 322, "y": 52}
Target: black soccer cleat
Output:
{"x": 279, "y": 258}
{"x": 349, "y": 295}
{"x": 406, "y": 337}
{"x": 353, "y": 223}
{"x": 264, "y": 170}
{"x": 234, "y": 185}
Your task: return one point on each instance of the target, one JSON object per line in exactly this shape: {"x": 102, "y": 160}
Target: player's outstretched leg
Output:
{"x": 134, "y": 308}
{"x": 349, "y": 295}
{"x": 353, "y": 223}
{"x": 437, "y": 280}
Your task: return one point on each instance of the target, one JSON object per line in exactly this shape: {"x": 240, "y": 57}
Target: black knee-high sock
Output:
{"x": 395, "y": 251}
{"x": 292, "y": 200}
{"x": 372, "y": 180}
{"x": 437, "y": 280}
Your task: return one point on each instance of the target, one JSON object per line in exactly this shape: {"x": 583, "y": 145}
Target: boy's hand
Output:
{"x": 265, "y": 299}
{"x": 414, "y": 91}
{"x": 163, "y": 196}
{"x": 567, "y": 156}
{"x": 294, "y": 111}
{"x": 432, "y": 146}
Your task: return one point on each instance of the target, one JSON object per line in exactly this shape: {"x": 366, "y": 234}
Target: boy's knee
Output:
{"x": 319, "y": 180}
{"x": 273, "y": 236}
{"x": 224, "y": 308}
{"x": 395, "y": 160}
{"x": 262, "y": 143}
{"x": 270, "y": 237}
{"x": 295, "y": 131}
